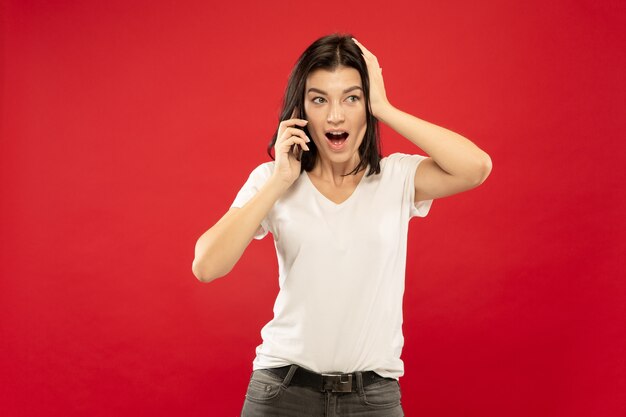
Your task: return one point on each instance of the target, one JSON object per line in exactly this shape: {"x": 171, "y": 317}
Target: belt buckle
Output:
{"x": 337, "y": 382}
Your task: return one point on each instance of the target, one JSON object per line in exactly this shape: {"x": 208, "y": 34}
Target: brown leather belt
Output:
{"x": 335, "y": 382}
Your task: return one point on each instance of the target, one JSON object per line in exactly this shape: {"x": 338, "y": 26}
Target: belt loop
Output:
{"x": 292, "y": 370}
{"x": 359, "y": 382}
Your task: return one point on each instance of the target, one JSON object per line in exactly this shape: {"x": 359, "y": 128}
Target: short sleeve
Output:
{"x": 255, "y": 181}
{"x": 408, "y": 166}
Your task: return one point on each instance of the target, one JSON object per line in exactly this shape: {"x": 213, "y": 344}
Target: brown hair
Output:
{"x": 330, "y": 52}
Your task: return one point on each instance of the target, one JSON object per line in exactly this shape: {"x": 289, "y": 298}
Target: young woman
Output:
{"x": 339, "y": 214}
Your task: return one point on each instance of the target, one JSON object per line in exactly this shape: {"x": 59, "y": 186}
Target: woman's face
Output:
{"x": 334, "y": 102}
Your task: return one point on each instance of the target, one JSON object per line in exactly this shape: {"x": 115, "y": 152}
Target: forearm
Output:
{"x": 220, "y": 248}
{"x": 454, "y": 153}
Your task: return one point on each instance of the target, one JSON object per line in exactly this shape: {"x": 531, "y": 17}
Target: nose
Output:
{"x": 335, "y": 114}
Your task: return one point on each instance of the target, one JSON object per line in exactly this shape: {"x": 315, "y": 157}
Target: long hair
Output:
{"x": 330, "y": 52}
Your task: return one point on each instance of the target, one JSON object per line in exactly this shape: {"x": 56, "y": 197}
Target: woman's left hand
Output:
{"x": 378, "y": 98}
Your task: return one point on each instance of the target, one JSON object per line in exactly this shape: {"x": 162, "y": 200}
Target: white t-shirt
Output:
{"x": 341, "y": 271}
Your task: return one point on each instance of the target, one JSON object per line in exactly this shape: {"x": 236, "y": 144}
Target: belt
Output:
{"x": 336, "y": 382}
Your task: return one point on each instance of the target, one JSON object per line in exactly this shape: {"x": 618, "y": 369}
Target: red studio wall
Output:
{"x": 127, "y": 129}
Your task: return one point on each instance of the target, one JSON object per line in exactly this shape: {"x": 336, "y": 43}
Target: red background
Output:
{"x": 128, "y": 127}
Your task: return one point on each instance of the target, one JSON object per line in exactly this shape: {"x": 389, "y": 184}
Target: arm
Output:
{"x": 455, "y": 163}
{"x": 219, "y": 248}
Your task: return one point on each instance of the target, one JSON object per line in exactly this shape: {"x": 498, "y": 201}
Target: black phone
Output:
{"x": 296, "y": 148}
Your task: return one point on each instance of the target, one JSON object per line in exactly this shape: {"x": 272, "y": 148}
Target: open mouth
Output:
{"x": 337, "y": 140}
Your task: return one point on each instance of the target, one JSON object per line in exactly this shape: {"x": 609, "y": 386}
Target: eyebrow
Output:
{"x": 347, "y": 90}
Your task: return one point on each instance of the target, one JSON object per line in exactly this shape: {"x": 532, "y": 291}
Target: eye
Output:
{"x": 356, "y": 98}
{"x": 317, "y": 102}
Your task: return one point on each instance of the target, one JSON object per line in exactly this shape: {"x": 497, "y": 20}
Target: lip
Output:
{"x": 337, "y": 148}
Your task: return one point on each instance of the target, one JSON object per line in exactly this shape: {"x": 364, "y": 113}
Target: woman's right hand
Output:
{"x": 287, "y": 161}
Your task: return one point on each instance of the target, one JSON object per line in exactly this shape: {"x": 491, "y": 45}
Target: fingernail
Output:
{"x": 308, "y": 140}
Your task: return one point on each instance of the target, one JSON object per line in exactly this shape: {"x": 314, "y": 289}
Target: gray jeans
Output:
{"x": 270, "y": 395}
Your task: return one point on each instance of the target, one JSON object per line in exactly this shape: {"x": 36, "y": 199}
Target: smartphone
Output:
{"x": 296, "y": 148}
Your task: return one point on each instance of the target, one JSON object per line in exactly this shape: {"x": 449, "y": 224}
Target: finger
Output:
{"x": 360, "y": 45}
{"x": 299, "y": 122}
{"x": 292, "y": 140}
{"x": 297, "y": 152}
{"x": 298, "y": 140}
{"x": 293, "y": 132}
{"x": 296, "y": 135}
{"x": 292, "y": 147}
{"x": 290, "y": 122}
{"x": 366, "y": 52}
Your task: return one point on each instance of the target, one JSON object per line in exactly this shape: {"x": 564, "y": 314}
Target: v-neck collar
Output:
{"x": 329, "y": 201}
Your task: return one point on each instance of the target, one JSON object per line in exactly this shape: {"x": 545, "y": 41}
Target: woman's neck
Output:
{"x": 334, "y": 173}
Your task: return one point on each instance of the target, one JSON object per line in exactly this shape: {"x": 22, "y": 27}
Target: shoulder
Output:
{"x": 263, "y": 170}
{"x": 266, "y": 166}
{"x": 402, "y": 161}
